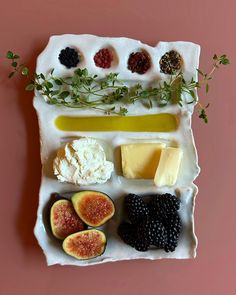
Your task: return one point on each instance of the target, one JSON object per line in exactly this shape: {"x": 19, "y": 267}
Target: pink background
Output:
{"x": 25, "y": 27}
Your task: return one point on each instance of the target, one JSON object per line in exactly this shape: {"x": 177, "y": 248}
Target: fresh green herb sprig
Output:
{"x": 16, "y": 66}
{"x": 204, "y": 81}
{"x": 82, "y": 90}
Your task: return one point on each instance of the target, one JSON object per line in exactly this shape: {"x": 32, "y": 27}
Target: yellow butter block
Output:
{"x": 168, "y": 168}
{"x": 140, "y": 160}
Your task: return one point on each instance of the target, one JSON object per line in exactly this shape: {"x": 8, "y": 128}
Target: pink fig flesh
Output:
{"x": 86, "y": 244}
{"x": 64, "y": 220}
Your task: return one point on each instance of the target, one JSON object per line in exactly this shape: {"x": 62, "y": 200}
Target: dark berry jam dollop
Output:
{"x": 103, "y": 58}
{"x": 139, "y": 62}
{"x": 170, "y": 62}
{"x": 69, "y": 57}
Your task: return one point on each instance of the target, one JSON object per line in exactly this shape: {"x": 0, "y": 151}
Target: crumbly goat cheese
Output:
{"x": 82, "y": 162}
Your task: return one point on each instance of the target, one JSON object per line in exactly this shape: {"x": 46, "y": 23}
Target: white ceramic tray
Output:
{"x": 52, "y": 138}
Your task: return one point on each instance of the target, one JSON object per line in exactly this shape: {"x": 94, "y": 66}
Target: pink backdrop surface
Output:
{"x": 25, "y": 27}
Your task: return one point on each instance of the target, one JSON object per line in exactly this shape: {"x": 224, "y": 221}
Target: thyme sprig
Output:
{"x": 84, "y": 91}
{"x": 204, "y": 81}
{"x": 16, "y": 66}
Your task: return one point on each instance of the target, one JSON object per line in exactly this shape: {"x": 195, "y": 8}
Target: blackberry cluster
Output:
{"x": 154, "y": 223}
{"x": 103, "y": 58}
{"x": 69, "y": 57}
{"x": 139, "y": 62}
{"x": 170, "y": 62}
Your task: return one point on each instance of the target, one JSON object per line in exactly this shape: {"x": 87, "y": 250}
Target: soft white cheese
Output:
{"x": 82, "y": 162}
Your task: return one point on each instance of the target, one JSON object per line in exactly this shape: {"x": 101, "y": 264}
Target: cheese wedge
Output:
{"x": 168, "y": 168}
{"x": 140, "y": 160}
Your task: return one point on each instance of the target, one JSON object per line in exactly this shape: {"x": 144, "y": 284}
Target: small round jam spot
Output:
{"x": 170, "y": 62}
{"x": 139, "y": 62}
{"x": 69, "y": 57}
{"x": 103, "y": 58}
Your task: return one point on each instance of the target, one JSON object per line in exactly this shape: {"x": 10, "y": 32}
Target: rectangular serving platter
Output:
{"x": 51, "y": 139}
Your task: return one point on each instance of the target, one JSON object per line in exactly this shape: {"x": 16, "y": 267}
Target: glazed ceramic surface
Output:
{"x": 117, "y": 187}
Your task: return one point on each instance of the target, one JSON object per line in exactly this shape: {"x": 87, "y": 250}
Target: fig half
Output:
{"x": 94, "y": 208}
{"x": 85, "y": 244}
{"x": 64, "y": 220}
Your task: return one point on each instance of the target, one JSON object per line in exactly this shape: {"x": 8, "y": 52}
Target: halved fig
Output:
{"x": 85, "y": 244}
{"x": 94, "y": 208}
{"x": 64, "y": 220}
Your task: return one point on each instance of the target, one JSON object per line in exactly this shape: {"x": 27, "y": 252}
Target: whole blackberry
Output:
{"x": 170, "y": 62}
{"x": 153, "y": 231}
{"x": 173, "y": 226}
{"x": 163, "y": 205}
{"x": 69, "y": 57}
{"x": 136, "y": 208}
{"x": 127, "y": 233}
{"x": 139, "y": 62}
{"x": 141, "y": 245}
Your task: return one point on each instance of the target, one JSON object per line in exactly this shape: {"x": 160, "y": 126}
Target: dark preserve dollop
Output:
{"x": 69, "y": 57}
{"x": 139, "y": 62}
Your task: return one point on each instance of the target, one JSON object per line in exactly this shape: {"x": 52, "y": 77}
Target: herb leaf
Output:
{"x": 10, "y": 55}
{"x": 29, "y": 87}
{"x": 25, "y": 71}
{"x": 11, "y": 74}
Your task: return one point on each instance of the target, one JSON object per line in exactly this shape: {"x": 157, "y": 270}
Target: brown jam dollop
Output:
{"x": 139, "y": 62}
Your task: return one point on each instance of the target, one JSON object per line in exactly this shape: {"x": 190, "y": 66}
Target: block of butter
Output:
{"x": 168, "y": 168}
{"x": 140, "y": 160}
